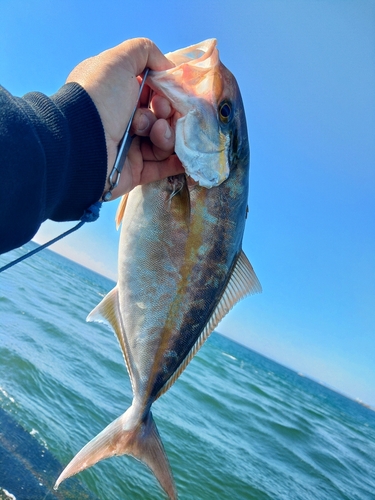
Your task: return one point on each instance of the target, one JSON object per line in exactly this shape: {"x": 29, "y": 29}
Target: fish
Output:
{"x": 181, "y": 266}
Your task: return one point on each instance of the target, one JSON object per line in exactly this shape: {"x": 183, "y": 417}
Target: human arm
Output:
{"x": 45, "y": 173}
{"x": 56, "y": 152}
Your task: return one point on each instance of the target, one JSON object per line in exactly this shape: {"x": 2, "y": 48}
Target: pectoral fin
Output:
{"x": 121, "y": 210}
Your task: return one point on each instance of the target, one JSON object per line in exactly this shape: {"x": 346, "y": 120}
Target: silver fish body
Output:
{"x": 181, "y": 269}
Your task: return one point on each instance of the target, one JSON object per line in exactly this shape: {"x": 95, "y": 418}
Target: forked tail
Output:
{"x": 120, "y": 438}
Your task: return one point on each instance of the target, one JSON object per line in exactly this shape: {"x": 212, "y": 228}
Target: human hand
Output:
{"x": 110, "y": 79}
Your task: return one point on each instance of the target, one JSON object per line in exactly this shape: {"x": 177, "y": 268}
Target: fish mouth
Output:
{"x": 199, "y": 53}
{"x": 194, "y": 87}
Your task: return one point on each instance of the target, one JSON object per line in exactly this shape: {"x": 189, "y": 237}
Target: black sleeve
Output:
{"x": 53, "y": 160}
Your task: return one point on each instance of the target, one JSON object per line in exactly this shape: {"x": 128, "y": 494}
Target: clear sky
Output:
{"x": 306, "y": 69}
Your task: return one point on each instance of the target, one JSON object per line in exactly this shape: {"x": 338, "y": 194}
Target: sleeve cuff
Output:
{"x": 77, "y": 157}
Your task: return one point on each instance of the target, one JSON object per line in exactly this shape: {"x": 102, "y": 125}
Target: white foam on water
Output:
{"x": 9, "y": 495}
{"x": 229, "y": 356}
{"x": 4, "y": 393}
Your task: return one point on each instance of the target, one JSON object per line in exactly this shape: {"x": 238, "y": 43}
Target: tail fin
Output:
{"x": 142, "y": 442}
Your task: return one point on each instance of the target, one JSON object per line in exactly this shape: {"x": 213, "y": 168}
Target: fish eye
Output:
{"x": 225, "y": 111}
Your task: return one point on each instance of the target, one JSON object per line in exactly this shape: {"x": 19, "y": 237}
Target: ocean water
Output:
{"x": 235, "y": 425}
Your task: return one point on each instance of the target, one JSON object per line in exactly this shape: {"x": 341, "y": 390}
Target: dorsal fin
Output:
{"x": 243, "y": 281}
{"x": 121, "y": 210}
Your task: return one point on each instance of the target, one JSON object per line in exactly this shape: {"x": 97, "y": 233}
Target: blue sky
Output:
{"x": 306, "y": 70}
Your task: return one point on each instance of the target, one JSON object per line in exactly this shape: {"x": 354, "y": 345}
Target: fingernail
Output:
{"x": 142, "y": 123}
{"x": 168, "y": 133}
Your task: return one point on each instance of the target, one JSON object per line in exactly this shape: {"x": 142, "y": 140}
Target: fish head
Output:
{"x": 210, "y": 126}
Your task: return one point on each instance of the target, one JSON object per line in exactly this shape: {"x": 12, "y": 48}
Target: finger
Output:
{"x": 161, "y": 106}
{"x": 152, "y": 153}
{"x": 157, "y": 170}
{"x": 143, "y": 121}
{"x": 162, "y": 136}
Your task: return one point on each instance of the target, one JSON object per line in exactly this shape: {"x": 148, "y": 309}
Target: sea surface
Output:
{"x": 235, "y": 425}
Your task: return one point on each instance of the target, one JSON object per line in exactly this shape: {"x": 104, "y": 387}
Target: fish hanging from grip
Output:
{"x": 176, "y": 281}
